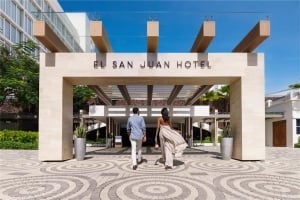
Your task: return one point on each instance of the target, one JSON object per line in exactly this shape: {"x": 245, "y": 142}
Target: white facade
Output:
{"x": 289, "y": 105}
{"x": 81, "y": 23}
{"x": 17, "y": 16}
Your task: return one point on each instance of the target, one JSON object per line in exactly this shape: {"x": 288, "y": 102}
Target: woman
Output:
{"x": 171, "y": 141}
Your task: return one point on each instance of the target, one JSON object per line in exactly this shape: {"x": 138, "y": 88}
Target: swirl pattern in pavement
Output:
{"x": 47, "y": 187}
{"x": 16, "y": 166}
{"x": 156, "y": 187}
{"x": 78, "y": 167}
{"x": 294, "y": 166}
{"x": 259, "y": 186}
{"x": 227, "y": 167}
{"x": 150, "y": 168}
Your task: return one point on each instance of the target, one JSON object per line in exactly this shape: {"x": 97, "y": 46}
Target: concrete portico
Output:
{"x": 242, "y": 70}
{"x": 60, "y": 71}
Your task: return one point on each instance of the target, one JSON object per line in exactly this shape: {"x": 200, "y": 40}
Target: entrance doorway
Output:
{"x": 279, "y": 133}
{"x": 150, "y": 137}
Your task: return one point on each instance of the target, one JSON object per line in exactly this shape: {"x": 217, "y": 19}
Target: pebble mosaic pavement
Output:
{"x": 107, "y": 174}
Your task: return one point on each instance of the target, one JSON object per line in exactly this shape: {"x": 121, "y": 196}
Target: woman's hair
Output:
{"x": 165, "y": 114}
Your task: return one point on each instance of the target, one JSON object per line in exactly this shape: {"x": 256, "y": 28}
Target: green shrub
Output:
{"x": 14, "y": 139}
{"x": 100, "y": 141}
{"x": 297, "y": 145}
{"x": 18, "y": 145}
{"x": 207, "y": 139}
{"x": 219, "y": 138}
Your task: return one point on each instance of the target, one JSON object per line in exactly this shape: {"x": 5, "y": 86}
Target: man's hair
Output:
{"x": 135, "y": 110}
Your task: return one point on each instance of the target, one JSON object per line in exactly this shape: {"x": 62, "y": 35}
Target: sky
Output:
{"x": 125, "y": 23}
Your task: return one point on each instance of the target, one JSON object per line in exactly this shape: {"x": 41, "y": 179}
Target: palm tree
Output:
{"x": 218, "y": 99}
{"x": 223, "y": 94}
{"x": 208, "y": 98}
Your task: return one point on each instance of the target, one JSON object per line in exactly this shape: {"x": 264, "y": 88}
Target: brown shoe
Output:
{"x": 167, "y": 167}
{"x": 134, "y": 167}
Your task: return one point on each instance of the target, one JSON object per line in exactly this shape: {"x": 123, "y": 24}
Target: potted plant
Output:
{"x": 226, "y": 143}
{"x": 80, "y": 142}
{"x": 109, "y": 140}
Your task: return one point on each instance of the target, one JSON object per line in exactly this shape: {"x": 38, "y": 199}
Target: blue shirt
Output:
{"x": 136, "y": 127}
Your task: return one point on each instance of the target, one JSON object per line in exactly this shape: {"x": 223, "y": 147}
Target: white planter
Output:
{"x": 226, "y": 148}
{"x": 109, "y": 143}
{"x": 80, "y": 148}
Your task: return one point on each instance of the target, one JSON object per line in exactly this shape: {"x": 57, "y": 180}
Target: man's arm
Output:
{"x": 128, "y": 127}
{"x": 144, "y": 130}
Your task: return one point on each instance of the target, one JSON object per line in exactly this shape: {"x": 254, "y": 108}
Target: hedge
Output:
{"x": 297, "y": 145}
{"x": 14, "y": 139}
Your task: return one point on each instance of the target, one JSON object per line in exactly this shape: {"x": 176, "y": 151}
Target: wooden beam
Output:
{"x": 152, "y": 36}
{"x": 99, "y": 37}
{"x": 48, "y": 37}
{"x": 197, "y": 94}
{"x": 104, "y": 98}
{"x": 125, "y": 93}
{"x": 149, "y": 94}
{"x": 205, "y": 35}
{"x": 255, "y": 37}
{"x": 174, "y": 93}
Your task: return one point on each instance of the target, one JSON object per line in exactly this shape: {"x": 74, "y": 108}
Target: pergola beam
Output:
{"x": 149, "y": 94}
{"x": 255, "y": 37}
{"x": 197, "y": 94}
{"x": 205, "y": 35}
{"x": 99, "y": 37}
{"x": 174, "y": 93}
{"x": 104, "y": 98}
{"x": 125, "y": 93}
{"x": 48, "y": 37}
{"x": 152, "y": 36}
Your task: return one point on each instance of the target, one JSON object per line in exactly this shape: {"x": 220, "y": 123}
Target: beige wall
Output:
{"x": 58, "y": 72}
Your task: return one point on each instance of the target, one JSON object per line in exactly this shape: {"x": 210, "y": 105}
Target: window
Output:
{"x": 1, "y": 24}
{"x": 13, "y": 34}
{"x": 19, "y": 37}
{"x": 8, "y": 8}
{"x": 18, "y": 16}
{"x": 2, "y": 5}
{"x": 39, "y": 2}
{"x": 33, "y": 8}
{"x": 298, "y": 126}
{"x": 7, "y": 29}
{"x": 29, "y": 27}
{"x": 13, "y": 11}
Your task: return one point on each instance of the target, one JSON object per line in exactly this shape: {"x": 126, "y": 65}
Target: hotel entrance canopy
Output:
{"x": 147, "y": 94}
{"x": 149, "y": 76}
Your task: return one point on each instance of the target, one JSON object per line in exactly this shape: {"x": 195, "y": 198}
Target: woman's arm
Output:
{"x": 157, "y": 129}
{"x": 170, "y": 123}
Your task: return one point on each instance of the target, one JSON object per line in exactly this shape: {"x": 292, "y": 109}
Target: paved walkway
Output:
{"x": 107, "y": 174}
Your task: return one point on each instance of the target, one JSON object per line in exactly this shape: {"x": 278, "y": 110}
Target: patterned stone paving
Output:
{"x": 107, "y": 174}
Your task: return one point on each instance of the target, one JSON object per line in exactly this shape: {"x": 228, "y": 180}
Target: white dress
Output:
{"x": 172, "y": 143}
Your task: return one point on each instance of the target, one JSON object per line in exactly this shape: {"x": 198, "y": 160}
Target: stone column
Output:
{"x": 55, "y": 114}
{"x": 247, "y": 111}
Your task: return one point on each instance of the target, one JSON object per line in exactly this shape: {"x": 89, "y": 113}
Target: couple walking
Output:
{"x": 171, "y": 142}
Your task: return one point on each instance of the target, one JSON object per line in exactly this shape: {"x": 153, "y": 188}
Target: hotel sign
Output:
{"x": 201, "y": 62}
{"x": 129, "y": 64}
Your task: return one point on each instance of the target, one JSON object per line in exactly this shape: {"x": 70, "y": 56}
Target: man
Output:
{"x": 136, "y": 130}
